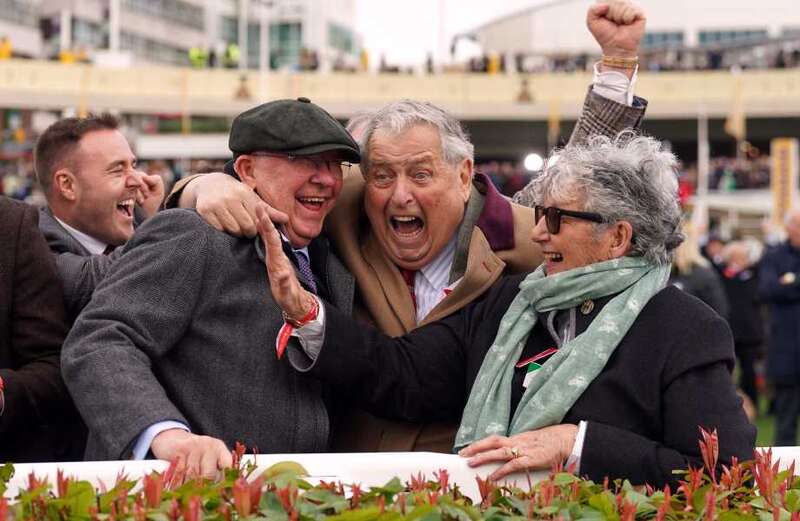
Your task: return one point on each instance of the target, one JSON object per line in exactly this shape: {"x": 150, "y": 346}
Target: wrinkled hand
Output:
{"x": 150, "y": 193}
{"x": 535, "y": 450}
{"x": 196, "y": 456}
{"x": 226, "y": 204}
{"x": 292, "y": 298}
{"x": 618, "y": 26}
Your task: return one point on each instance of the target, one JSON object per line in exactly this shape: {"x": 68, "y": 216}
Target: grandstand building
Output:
{"x": 164, "y": 31}
{"x": 692, "y": 26}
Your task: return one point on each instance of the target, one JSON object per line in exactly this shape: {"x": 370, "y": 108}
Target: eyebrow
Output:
{"x": 119, "y": 162}
{"x": 422, "y": 157}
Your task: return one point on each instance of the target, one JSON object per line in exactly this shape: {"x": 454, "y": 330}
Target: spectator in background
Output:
{"x": 713, "y": 251}
{"x": 779, "y": 286}
{"x": 88, "y": 174}
{"x": 6, "y": 51}
{"x": 693, "y": 273}
{"x": 37, "y": 419}
{"x": 740, "y": 279}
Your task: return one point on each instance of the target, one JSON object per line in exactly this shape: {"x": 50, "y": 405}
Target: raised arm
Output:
{"x": 609, "y": 107}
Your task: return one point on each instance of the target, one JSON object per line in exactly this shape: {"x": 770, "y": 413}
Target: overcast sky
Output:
{"x": 405, "y": 31}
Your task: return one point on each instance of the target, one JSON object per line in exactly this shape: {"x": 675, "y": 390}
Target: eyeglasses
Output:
{"x": 553, "y": 215}
{"x": 311, "y": 162}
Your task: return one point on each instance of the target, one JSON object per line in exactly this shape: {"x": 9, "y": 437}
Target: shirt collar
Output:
{"x": 94, "y": 246}
{"x": 437, "y": 271}
{"x": 303, "y": 250}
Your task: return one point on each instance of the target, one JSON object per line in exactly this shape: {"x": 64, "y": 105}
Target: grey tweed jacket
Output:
{"x": 600, "y": 117}
{"x": 183, "y": 328}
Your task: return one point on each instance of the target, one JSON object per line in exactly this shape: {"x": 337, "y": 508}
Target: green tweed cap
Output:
{"x": 293, "y": 127}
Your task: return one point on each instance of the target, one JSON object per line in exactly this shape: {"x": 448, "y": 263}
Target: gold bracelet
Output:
{"x": 620, "y": 63}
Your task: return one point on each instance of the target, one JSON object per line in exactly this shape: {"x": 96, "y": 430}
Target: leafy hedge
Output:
{"x": 754, "y": 490}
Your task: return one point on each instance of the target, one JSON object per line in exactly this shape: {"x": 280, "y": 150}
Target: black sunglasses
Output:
{"x": 552, "y": 215}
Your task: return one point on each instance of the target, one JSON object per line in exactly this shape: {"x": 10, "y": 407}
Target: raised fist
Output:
{"x": 618, "y": 26}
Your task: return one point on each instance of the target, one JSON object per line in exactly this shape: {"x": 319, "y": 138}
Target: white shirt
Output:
{"x": 431, "y": 282}
{"x": 94, "y": 246}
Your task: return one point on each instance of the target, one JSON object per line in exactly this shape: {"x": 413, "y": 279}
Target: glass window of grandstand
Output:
{"x": 87, "y": 35}
{"x": 717, "y": 37}
{"x": 176, "y": 11}
{"x": 151, "y": 50}
{"x": 791, "y": 32}
{"x": 340, "y": 38}
{"x": 285, "y": 42}
{"x": 662, "y": 39}
{"x": 19, "y": 11}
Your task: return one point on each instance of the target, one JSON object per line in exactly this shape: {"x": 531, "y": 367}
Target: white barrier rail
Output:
{"x": 365, "y": 468}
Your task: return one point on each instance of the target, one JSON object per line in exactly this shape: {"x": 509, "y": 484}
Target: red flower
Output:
{"x": 193, "y": 511}
{"x": 62, "y": 484}
{"x": 709, "y": 448}
{"x": 153, "y": 485}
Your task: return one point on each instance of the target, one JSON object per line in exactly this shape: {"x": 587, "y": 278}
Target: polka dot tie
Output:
{"x": 304, "y": 267}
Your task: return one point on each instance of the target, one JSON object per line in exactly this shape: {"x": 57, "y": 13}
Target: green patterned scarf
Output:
{"x": 562, "y": 380}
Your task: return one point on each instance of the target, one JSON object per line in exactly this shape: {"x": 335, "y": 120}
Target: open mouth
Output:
{"x": 407, "y": 226}
{"x": 553, "y": 257}
{"x": 312, "y": 203}
{"x": 126, "y": 207}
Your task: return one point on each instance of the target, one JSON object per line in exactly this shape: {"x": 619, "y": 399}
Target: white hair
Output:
{"x": 628, "y": 178}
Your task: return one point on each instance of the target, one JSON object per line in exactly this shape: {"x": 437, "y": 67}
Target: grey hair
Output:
{"x": 628, "y": 178}
{"x": 399, "y": 116}
{"x": 358, "y": 123}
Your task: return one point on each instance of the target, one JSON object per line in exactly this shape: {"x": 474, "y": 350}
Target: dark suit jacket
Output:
{"x": 32, "y": 327}
{"x": 79, "y": 270}
{"x": 183, "y": 328}
{"x": 669, "y": 375}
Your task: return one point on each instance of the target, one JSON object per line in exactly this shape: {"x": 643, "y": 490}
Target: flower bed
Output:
{"x": 754, "y": 490}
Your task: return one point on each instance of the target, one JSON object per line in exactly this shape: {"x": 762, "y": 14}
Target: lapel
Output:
{"x": 484, "y": 267}
{"x": 58, "y": 238}
{"x": 397, "y": 298}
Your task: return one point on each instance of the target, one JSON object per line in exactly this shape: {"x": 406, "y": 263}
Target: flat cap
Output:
{"x": 296, "y": 127}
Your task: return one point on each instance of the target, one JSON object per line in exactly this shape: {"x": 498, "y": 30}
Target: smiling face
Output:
{"x": 101, "y": 184}
{"x": 414, "y": 199}
{"x": 303, "y": 188}
{"x": 576, "y": 244}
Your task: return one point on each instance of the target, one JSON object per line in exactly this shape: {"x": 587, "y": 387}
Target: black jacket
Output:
{"x": 783, "y": 356}
{"x": 39, "y": 422}
{"x": 746, "y": 317}
{"x": 669, "y": 375}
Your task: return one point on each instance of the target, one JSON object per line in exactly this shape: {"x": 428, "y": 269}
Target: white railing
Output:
{"x": 366, "y": 469}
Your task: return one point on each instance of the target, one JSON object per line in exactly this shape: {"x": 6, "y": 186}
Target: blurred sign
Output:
{"x": 784, "y": 153}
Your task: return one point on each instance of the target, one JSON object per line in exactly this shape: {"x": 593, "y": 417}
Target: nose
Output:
{"x": 539, "y": 232}
{"x": 133, "y": 179}
{"x": 402, "y": 194}
{"x": 326, "y": 174}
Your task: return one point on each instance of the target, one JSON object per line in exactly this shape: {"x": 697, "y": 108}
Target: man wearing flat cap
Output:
{"x": 170, "y": 358}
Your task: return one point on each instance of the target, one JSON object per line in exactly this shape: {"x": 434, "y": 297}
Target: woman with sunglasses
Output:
{"x": 589, "y": 360}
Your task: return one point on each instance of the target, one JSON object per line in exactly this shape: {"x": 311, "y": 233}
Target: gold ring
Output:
{"x": 514, "y": 452}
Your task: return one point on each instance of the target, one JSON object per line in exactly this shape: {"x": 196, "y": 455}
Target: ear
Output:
{"x": 65, "y": 184}
{"x": 244, "y": 168}
{"x": 465, "y": 171}
{"x": 621, "y": 239}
